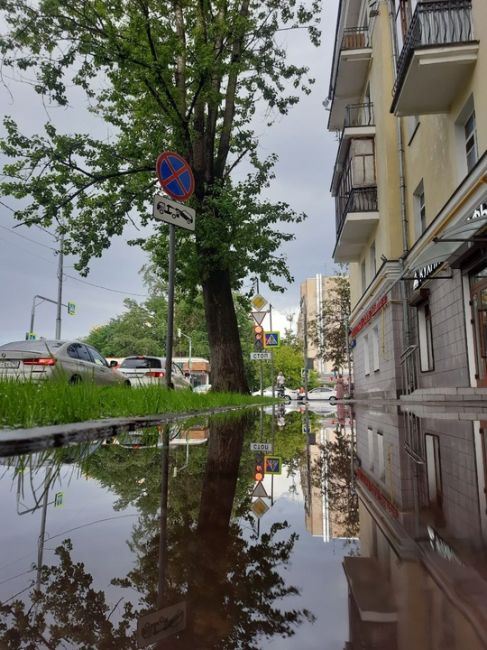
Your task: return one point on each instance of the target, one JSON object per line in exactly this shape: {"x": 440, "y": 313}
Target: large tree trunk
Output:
{"x": 227, "y": 369}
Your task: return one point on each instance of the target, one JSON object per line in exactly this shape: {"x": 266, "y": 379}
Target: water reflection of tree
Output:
{"x": 332, "y": 473}
{"x": 232, "y": 581}
{"x": 232, "y": 584}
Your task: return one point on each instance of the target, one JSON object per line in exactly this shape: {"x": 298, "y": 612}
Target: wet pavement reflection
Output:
{"x": 166, "y": 538}
{"x": 255, "y": 529}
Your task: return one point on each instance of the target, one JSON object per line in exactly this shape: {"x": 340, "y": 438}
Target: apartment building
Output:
{"x": 408, "y": 97}
{"x": 313, "y": 294}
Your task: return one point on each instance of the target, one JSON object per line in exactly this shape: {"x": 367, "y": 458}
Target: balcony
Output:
{"x": 349, "y": 73}
{"x": 438, "y": 54}
{"x": 359, "y": 123}
{"x": 356, "y": 218}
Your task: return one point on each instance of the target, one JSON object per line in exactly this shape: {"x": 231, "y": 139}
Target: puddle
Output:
{"x": 123, "y": 544}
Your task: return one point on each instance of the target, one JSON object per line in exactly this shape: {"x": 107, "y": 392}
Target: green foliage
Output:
{"x": 184, "y": 75}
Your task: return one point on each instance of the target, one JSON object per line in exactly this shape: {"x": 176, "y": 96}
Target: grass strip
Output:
{"x": 29, "y": 404}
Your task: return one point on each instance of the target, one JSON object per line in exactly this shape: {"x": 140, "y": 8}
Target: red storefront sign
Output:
{"x": 373, "y": 311}
{"x": 377, "y": 493}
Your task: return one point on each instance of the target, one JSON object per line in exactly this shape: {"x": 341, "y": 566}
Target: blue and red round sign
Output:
{"x": 175, "y": 175}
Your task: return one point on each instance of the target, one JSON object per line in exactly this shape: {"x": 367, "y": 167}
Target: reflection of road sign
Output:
{"x": 272, "y": 339}
{"x": 59, "y": 499}
{"x": 258, "y": 301}
{"x": 306, "y": 427}
{"x": 71, "y": 308}
{"x": 30, "y": 336}
{"x": 272, "y": 464}
{"x": 260, "y": 356}
{"x": 261, "y": 446}
{"x": 258, "y": 316}
{"x": 259, "y": 491}
{"x": 159, "y": 625}
{"x": 173, "y": 213}
{"x": 175, "y": 176}
{"x": 260, "y": 507}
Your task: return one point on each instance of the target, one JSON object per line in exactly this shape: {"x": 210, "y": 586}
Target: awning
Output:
{"x": 449, "y": 241}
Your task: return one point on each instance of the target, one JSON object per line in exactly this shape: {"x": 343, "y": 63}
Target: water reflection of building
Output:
{"x": 321, "y": 520}
{"x": 422, "y": 579}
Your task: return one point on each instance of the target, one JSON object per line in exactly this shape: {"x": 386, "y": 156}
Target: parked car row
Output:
{"x": 323, "y": 393}
{"x": 78, "y": 362}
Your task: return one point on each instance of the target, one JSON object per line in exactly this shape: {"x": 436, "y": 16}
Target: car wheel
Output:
{"x": 75, "y": 379}
{"x": 127, "y": 383}
{"x": 332, "y": 400}
{"x": 287, "y": 398}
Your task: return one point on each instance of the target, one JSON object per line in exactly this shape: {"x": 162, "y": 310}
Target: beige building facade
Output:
{"x": 313, "y": 294}
{"x": 408, "y": 98}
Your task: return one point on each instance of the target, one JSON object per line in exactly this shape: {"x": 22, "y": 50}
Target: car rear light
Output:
{"x": 48, "y": 361}
{"x": 156, "y": 373}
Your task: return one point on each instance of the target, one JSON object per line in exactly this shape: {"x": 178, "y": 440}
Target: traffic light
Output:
{"x": 258, "y": 337}
{"x": 259, "y": 467}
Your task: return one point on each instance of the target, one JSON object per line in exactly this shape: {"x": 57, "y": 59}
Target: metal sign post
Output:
{"x": 176, "y": 177}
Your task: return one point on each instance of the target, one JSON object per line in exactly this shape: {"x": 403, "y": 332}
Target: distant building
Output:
{"x": 313, "y": 294}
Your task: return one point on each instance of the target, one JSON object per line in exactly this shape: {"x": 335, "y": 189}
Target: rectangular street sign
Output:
{"x": 272, "y": 465}
{"x": 260, "y": 356}
{"x": 272, "y": 339}
{"x": 159, "y": 625}
{"x": 174, "y": 213}
{"x": 261, "y": 446}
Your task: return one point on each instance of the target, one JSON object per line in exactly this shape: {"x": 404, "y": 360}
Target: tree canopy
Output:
{"x": 181, "y": 75}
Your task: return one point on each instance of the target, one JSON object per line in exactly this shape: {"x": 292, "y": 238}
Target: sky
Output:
{"x": 306, "y": 151}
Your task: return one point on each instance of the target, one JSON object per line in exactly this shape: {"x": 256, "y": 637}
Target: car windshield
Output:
{"x": 141, "y": 362}
{"x": 32, "y": 346}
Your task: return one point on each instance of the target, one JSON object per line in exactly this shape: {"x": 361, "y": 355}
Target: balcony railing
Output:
{"x": 444, "y": 22}
{"x": 355, "y": 38}
{"x": 359, "y": 115}
{"x": 359, "y": 199}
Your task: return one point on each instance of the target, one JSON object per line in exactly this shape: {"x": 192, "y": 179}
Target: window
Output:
{"x": 412, "y": 125}
{"x": 98, "y": 359}
{"x": 370, "y": 446}
{"x": 380, "y": 456}
{"x": 366, "y": 355}
{"x": 141, "y": 362}
{"x": 375, "y": 348}
{"x": 420, "y": 210}
{"x": 433, "y": 469}
{"x": 373, "y": 262}
{"x": 471, "y": 150}
{"x": 425, "y": 336}
{"x": 363, "y": 276}
{"x": 84, "y": 353}
{"x": 73, "y": 350}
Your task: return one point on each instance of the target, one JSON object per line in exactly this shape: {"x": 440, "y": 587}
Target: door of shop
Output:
{"x": 478, "y": 300}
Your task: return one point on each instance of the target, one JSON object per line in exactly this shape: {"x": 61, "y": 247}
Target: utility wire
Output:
{"x": 18, "y": 234}
{"x": 99, "y": 286}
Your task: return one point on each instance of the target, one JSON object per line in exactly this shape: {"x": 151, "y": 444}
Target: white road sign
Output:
{"x": 159, "y": 625}
{"x": 261, "y": 446}
{"x": 260, "y": 356}
{"x": 174, "y": 213}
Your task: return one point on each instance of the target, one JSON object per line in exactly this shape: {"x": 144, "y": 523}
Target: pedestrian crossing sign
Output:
{"x": 272, "y": 339}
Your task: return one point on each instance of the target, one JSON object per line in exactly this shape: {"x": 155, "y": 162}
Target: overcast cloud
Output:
{"x": 306, "y": 156}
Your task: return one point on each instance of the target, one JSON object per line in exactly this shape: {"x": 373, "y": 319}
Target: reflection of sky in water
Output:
{"x": 100, "y": 536}
{"x": 316, "y": 569}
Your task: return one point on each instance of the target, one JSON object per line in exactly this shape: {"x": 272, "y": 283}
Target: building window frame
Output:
{"x": 363, "y": 276}
{"x": 366, "y": 356}
{"x": 375, "y": 349}
{"x": 420, "y": 209}
{"x": 373, "y": 259}
{"x": 433, "y": 469}
{"x": 381, "y": 467}
{"x": 425, "y": 337}
{"x": 471, "y": 145}
{"x": 371, "y": 449}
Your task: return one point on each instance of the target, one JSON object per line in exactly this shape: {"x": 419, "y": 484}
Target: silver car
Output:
{"x": 146, "y": 370}
{"x": 70, "y": 360}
